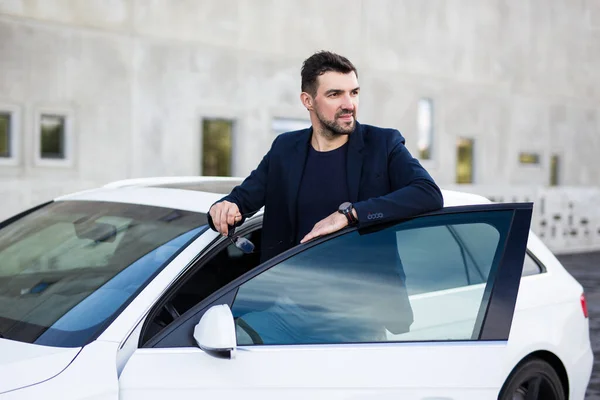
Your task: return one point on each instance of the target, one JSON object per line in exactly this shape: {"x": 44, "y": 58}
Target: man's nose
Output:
{"x": 347, "y": 103}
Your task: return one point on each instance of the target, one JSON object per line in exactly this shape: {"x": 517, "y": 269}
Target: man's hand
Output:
{"x": 224, "y": 214}
{"x": 332, "y": 223}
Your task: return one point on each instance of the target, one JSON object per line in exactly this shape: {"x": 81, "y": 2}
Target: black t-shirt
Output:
{"x": 323, "y": 187}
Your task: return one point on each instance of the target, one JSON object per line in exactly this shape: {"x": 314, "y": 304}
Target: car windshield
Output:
{"x": 68, "y": 268}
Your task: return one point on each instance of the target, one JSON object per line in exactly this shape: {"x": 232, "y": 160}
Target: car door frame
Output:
{"x": 204, "y": 257}
{"x": 500, "y": 301}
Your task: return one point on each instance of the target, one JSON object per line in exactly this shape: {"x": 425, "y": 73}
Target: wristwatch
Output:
{"x": 346, "y": 209}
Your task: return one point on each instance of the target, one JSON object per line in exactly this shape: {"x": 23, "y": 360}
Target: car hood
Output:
{"x": 24, "y": 364}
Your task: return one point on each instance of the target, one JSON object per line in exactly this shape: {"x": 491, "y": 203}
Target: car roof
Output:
{"x": 198, "y": 193}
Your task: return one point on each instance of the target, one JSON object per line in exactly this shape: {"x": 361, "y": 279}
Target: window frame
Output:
{"x": 14, "y": 133}
{"x": 501, "y": 299}
{"x": 66, "y": 162}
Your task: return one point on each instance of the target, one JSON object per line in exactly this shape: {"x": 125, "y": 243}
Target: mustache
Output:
{"x": 345, "y": 112}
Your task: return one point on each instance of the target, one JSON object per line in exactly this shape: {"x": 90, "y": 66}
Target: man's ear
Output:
{"x": 307, "y": 101}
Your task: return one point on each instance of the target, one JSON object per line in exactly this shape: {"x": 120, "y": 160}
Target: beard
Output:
{"x": 335, "y": 128}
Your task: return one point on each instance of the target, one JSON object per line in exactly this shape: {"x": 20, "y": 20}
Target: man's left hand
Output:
{"x": 332, "y": 223}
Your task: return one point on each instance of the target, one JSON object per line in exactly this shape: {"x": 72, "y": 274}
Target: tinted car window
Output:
{"x": 530, "y": 266}
{"x": 458, "y": 255}
{"x": 68, "y": 267}
{"x": 407, "y": 282}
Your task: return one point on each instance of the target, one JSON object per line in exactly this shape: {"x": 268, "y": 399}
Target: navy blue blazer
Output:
{"x": 385, "y": 182}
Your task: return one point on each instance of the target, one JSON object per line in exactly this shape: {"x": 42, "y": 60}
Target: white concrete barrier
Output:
{"x": 567, "y": 219}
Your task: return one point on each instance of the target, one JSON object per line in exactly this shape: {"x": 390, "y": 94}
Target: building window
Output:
{"x": 529, "y": 158}
{"x": 282, "y": 125}
{"x": 54, "y": 143}
{"x": 216, "y": 147}
{"x": 464, "y": 163}
{"x": 53, "y": 137}
{"x": 5, "y": 135}
{"x": 554, "y": 170}
{"x": 425, "y": 128}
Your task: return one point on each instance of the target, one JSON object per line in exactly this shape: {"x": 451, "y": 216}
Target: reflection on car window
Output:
{"x": 460, "y": 255}
{"x": 420, "y": 280}
{"x": 68, "y": 267}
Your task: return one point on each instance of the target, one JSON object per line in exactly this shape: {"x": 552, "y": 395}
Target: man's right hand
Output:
{"x": 223, "y": 215}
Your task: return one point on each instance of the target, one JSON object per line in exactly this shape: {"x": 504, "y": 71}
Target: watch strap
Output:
{"x": 347, "y": 211}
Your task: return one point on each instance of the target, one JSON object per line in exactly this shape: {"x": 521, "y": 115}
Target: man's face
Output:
{"x": 336, "y": 101}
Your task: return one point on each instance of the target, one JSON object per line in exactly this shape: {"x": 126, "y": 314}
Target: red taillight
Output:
{"x": 584, "y": 305}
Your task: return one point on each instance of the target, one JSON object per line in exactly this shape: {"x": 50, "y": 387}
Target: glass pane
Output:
{"x": 70, "y": 266}
{"x": 529, "y": 158}
{"x": 464, "y": 161}
{"x": 554, "y": 170}
{"x": 530, "y": 267}
{"x": 5, "y": 135}
{"x": 425, "y": 128}
{"x": 52, "y": 137}
{"x": 216, "y": 147}
{"x": 391, "y": 285}
{"x": 466, "y": 252}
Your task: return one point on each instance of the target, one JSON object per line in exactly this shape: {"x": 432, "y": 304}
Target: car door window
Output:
{"x": 423, "y": 279}
{"x": 463, "y": 255}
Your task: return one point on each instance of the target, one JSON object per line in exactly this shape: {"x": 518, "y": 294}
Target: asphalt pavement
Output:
{"x": 586, "y": 269}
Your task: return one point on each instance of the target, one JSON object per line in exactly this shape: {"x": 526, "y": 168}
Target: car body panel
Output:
{"x": 543, "y": 300}
{"x": 24, "y": 364}
{"x": 316, "y": 372}
{"x": 91, "y": 376}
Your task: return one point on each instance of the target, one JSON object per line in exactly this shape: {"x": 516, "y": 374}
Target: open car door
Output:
{"x": 420, "y": 309}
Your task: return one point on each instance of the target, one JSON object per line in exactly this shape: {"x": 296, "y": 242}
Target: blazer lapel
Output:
{"x": 355, "y": 161}
{"x": 295, "y": 162}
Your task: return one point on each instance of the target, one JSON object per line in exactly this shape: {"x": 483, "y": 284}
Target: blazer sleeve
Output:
{"x": 413, "y": 190}
{"x": 250, "y": 195}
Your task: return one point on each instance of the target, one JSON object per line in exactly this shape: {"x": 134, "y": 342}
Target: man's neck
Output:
{"x": 327, "y": 141}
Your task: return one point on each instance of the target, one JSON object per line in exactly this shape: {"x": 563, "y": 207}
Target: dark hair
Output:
{"x": 318, "y": 64}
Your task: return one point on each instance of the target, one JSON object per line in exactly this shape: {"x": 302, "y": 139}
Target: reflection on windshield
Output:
{"x": 71, "y": 266}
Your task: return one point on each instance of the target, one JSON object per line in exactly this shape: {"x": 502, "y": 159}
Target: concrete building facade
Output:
{"x": 513, "y": 86}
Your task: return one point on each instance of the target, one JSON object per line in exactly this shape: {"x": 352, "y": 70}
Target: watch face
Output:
{"x": 345, "y": 206}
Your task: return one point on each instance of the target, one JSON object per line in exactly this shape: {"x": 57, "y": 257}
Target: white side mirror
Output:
{"x": 216, "y": 330}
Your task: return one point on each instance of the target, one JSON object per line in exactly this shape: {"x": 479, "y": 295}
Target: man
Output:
{"x": 316, "y": 181}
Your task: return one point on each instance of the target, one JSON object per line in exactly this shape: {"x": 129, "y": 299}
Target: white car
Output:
{"x": 123, "y": 292}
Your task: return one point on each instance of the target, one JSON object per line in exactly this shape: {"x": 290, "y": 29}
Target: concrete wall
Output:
{"x": 137, "y": 76}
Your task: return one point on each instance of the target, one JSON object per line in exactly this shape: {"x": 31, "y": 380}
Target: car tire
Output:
{"x": 533, "y": 375}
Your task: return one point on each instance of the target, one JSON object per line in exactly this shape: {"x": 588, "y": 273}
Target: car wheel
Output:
{"x": 534, "y": 379}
